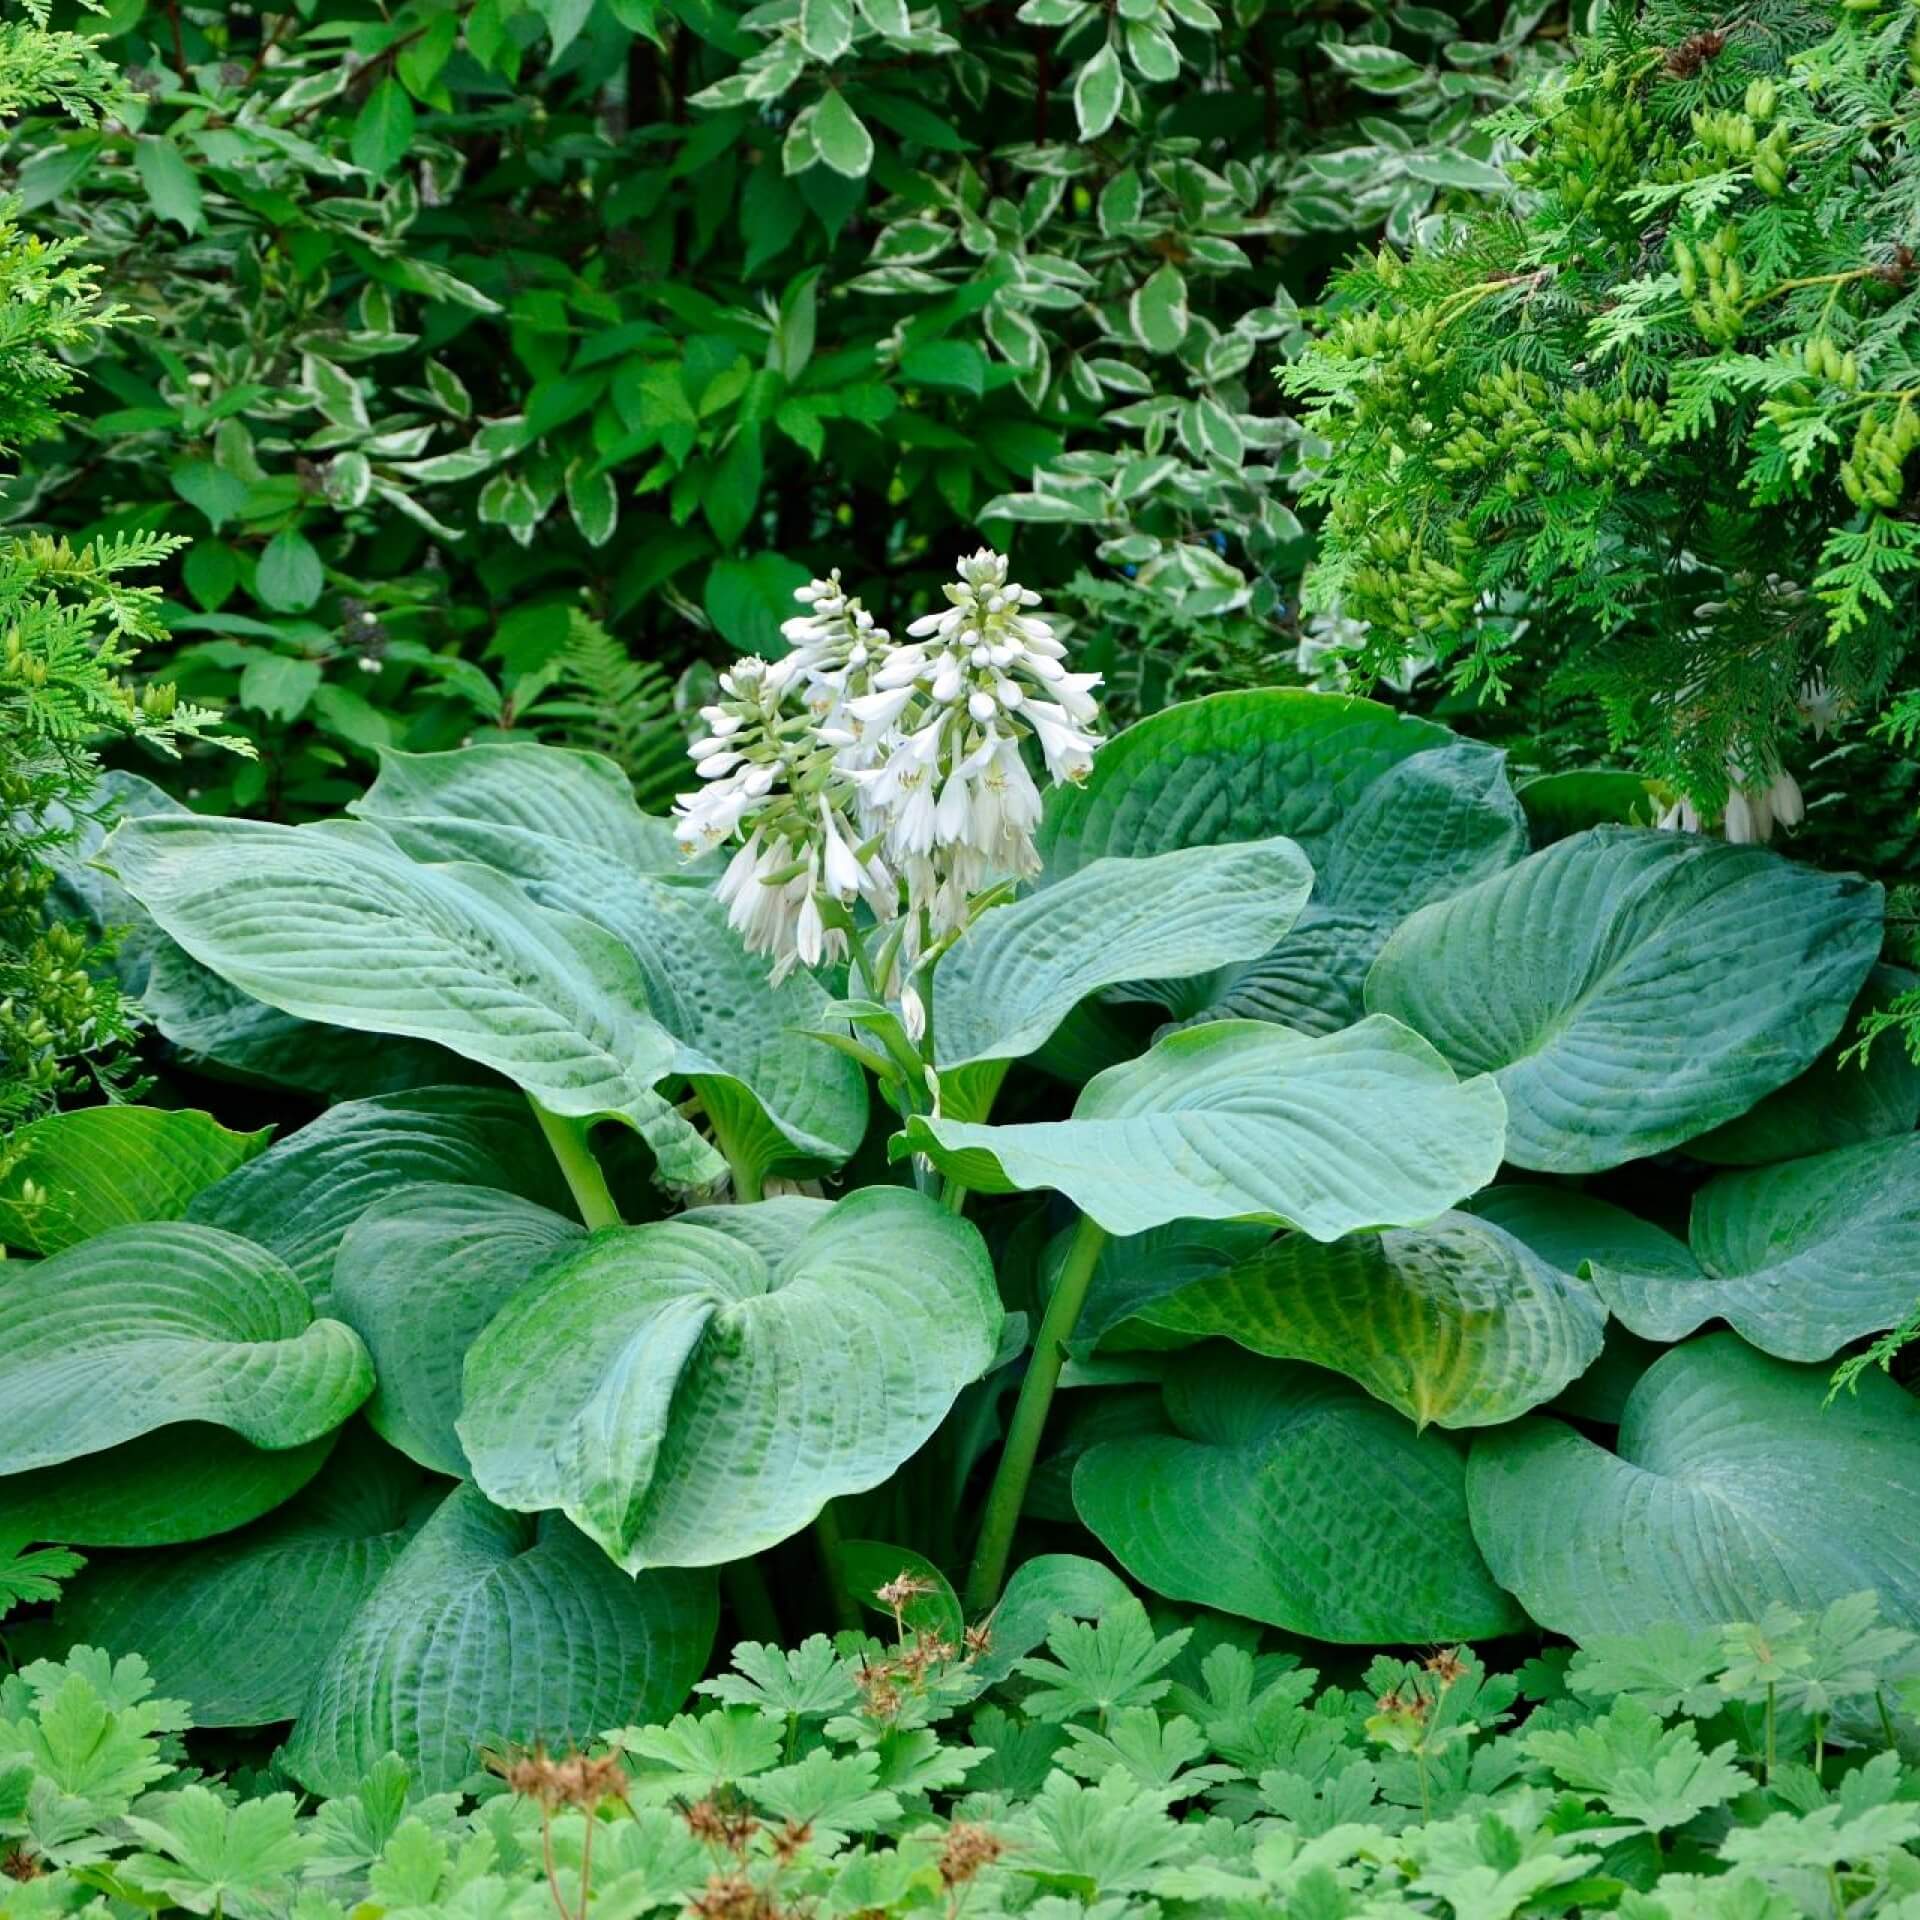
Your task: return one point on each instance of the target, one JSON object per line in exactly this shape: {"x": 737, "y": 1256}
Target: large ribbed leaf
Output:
{"x": 1363, "y": 1128}
{"x": 418, "y": 1276}
{"x": 301, "y": 1196}
{"x": 144, "y": 1326}
{"x": 571, "y": 795}
{"x": 237, "y": 1628}
{"x": 1234, "y": 766}
{"x": 1287, "y": 1495}
{"x": 491, "y": 1628}
{"x": 185, "y": 1482}
{"x": 1456, "y": 1323}
{"x": 1734, "y": 1487}
{"x": 1135, "y": 1270}
{"x": 782, "y": 1101}
{"x": 1838, "y": 1102}
{"x": 75, "y": 1174}
{"x": 1392, "y": 812}
{"x": 1798, "y": 1259}
{"x": 696, "y": 1390}
{"x": 1631, "y": 989}
{"x": 228, "y": 1035}
{"x": 335, "y": 923}
{"x": 1019, "y": 972}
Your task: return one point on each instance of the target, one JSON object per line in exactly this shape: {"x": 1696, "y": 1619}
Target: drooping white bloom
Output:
{"x": 857, "y": 768}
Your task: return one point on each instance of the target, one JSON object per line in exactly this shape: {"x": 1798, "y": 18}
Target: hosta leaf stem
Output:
{"x": 581, "y": 1171}
{"x": 1009, "y": 1492}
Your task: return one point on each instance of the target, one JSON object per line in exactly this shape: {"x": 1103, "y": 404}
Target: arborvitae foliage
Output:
{"x": 70, "y": 626}
{"x": 1644, "y": 427}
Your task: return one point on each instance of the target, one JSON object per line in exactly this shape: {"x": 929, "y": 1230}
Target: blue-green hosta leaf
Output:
{"x": 300, "y": 1196}
{"x": 570, "y": 795}
{"x": 1234, "y": 766}
{"x": 1137, "y": 1269}
{"x": 237, "y": 1627}
{"x": 225, "y": 1034}
{"x": 1288, "y": 1495}
{"x": 1019, "y": 972}
{"x": 493, "y": 1627}
{"x": 144, "y": 1326}
{"x": 1837, "y": 1102}
{"x": 1363, "y": 1128}
{"x": 1454, "y": 1323}
{"x": 75, "y": 1174}
{"x": 696, "y": 1390}
{"x": 1392, "y": 811}
{"x": 1733, "y": 1486}
{"x": 335, "y": 923}
{"x": 418, "y": 1276}
{"x": 1798, "y": 1259}
{"x": 783, "y": 1102}
{"x": 184, "y": 1482}
{"x": 1631, "y": 989}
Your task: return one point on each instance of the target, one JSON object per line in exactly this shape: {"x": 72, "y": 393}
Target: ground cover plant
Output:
{"x": 1119, "y": 1766}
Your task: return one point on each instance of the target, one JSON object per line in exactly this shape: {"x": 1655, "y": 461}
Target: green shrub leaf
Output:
{"x": 300, "y": 1196}
{"x": 334, "y": 923}
{"x": 496, "y": 1627}
{"x": 144, "y": 1326}
{"x": 75, "y": 1174}
{"x": 1022, "y": 968}
{"x": 1456, "y": 1323}
{"x": 418, "y": 1276}
{"x": 237, "y": 1627}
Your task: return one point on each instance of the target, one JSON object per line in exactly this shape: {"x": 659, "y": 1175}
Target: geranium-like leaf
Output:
{"x": 1288, "y": 1495}
{"x": 418, "y": 1276}
{"x": 237, "y": 1627}
{"x": 301, "y": 1195}
{"x": 495, "y": 1627}
{"x": 781, "y": 1101}
{"x": 1363, "y": 1128}
{"x": 1734, "y": 1486}
{"x": 335, "y": 923}
{"x": 1631, "y": 989}
{"x": 1019, "y": 972}
{"x": 75, "y": 1174}
{"x": 1455, "y": 1323}
{"x": 1798, "y": 1259}
{"x": 144, "y": 1326}
{"x": 696, "y": 1390}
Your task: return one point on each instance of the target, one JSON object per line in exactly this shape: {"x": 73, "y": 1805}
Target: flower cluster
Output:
{"x": 860, "y": 768}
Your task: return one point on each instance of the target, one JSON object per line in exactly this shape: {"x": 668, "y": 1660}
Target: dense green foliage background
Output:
{"x": 455, "y": 321}
{"x": 1372, "y": 1188}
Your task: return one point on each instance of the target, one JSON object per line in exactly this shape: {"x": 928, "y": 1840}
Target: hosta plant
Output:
{"x": 1235, "y": 1149}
